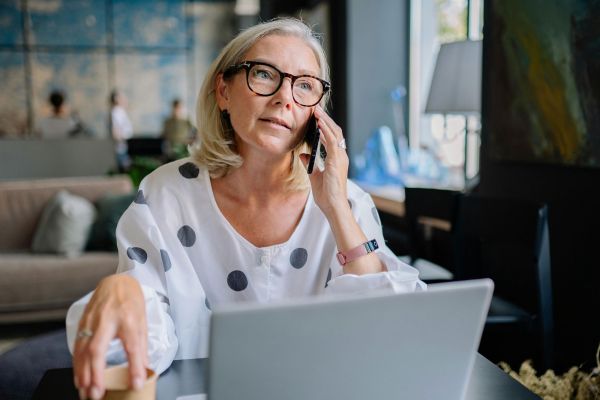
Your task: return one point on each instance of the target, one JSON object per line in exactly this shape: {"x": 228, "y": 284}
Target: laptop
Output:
{"x": 401, "y": 346}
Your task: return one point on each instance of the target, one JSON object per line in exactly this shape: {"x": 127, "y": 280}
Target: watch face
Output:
{"x": 373, "y": 245}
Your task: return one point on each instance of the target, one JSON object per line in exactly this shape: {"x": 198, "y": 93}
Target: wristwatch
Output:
{"x": 344, "y": 257}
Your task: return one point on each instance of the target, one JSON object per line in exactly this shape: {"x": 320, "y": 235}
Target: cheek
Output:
{"x": 303, "y": 122}
{"x": 237, "y": 123}
{"x": 243, "y": 121}
{"x": 301, "y": 131}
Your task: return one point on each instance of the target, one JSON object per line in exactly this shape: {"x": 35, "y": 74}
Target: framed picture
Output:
{"x": 542, "y": 81}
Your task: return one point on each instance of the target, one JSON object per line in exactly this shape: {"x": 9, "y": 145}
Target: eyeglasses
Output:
{"x": 265, "y": 80}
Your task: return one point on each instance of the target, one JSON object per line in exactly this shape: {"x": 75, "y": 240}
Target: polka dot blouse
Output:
{"x": 189, "y": 258}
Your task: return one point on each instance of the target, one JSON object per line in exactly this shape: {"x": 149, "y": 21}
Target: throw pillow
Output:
{"x": 64, "y": 226}
{"x": 103, "y": 235}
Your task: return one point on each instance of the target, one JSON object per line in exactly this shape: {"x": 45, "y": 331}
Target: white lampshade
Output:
{"x": 456, "y": 83}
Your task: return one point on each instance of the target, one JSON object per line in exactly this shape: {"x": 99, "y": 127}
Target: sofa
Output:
{"x": 41, "y": 286}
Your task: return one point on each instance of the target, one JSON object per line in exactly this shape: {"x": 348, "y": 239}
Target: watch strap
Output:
{"x": 344, "y": 257}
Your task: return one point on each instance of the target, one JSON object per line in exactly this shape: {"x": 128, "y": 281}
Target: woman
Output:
{"x": 240, "y": 220}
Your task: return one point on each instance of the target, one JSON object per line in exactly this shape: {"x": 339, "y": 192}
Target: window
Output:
{"x": 434, "y": 22}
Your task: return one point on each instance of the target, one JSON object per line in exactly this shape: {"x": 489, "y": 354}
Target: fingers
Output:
{"x": 89, "y": 360}
{"x": 97, "y": 347}
{"x": 134, "y": 339}
{"x": 81, "y": 362}
{"x": 331, "y": 134}
{"x": 113, "y": 311}
{"x": 328, "y": 121}
{"x": 81, "y": 371}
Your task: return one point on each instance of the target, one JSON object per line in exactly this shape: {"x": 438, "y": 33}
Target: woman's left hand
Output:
{"x": 329, "y": 186}
{"x": 330, "y": 194}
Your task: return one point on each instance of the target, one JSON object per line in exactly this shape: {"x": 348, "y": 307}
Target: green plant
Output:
{"x": 140, "y": 167}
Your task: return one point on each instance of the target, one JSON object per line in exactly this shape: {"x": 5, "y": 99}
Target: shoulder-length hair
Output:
{"x": 216, "y": 147}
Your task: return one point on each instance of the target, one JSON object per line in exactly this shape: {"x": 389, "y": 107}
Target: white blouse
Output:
{"x": 188, "y": 258}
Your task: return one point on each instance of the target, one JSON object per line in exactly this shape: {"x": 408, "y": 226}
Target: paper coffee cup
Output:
{"x": 116, "y": 381}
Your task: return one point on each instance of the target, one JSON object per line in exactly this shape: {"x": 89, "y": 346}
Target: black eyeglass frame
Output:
{"x": 247, "y": 66}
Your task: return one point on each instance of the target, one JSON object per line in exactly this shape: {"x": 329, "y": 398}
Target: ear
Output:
{"x": 222, "y": 92}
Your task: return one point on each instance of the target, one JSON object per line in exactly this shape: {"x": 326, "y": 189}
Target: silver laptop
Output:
{"x": 406, "y": 346}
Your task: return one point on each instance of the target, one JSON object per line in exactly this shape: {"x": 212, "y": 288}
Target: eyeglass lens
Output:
{"x": 265, "y": 80}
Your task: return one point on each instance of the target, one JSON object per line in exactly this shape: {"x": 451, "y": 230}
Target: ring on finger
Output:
{"x": 342, "y": 144}
{"x": 84, "y": 333}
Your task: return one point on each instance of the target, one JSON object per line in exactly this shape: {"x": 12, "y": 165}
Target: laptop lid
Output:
{"x": 414, "y": 346}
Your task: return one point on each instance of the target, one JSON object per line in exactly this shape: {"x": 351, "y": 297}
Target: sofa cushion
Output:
{"x": 22, "y": 203}
{"x": 103, "y": 234}
{"x": 65, "y": 225}
{"x": 44, "y": 282}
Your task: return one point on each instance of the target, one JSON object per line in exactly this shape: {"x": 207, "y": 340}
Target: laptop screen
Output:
{"x": 412, "y": 345}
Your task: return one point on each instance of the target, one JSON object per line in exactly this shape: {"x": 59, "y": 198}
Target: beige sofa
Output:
{"x": 40, "y": 287}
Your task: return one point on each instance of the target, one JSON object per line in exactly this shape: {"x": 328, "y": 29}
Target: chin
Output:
{"x": 276, "y": 152}
{"x": 275, "y": 145}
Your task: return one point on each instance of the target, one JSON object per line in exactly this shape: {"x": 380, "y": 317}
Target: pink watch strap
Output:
{"x": 357, "y": 252}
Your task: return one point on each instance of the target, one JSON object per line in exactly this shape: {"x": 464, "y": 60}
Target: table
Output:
{"x": 186, "y": 377}
{"x": 391, "y": 200}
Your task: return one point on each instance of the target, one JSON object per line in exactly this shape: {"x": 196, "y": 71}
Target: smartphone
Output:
{"x": 317, "y": 150}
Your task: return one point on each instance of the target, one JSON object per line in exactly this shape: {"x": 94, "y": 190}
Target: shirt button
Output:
{"x": 264, "y": 260}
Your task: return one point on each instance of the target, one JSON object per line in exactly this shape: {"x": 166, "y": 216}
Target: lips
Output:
{"x": 277, "y": 121}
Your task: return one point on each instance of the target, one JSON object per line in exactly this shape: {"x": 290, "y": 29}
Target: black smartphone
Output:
{"x": 313, "y": 138}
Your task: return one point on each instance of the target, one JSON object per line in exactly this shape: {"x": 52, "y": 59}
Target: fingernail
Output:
{"x": 82, "y": 395}
{"x": 96, "y": 393}
{"x": 137, "y": 383}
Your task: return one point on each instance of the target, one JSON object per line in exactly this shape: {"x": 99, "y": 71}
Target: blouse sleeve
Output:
{"x": 399, "y": 277}
{"x": 144, "y": 255}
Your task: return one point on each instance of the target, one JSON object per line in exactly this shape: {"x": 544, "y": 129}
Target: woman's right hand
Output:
{"x": 116, "y": 310}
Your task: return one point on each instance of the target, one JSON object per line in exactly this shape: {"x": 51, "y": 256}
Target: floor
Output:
{"x": 12, "y": 335}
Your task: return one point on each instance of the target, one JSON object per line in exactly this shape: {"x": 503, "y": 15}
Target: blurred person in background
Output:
{"x": 177, "y": 130}
{"x": 59, "y": 124}
{"x": 120, "y": 128}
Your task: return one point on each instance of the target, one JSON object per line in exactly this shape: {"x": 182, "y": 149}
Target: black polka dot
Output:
{"x": 166, "y": 260}
{"x": 189, "y": 170}
{"x": 206, "y": 303}
{"x": 139, "y": 197}
{"x": 186, "y": 236}
{"x": 137, "y": 254}
{"x": 350, "y": 203}
{"x": 376, "y": 215}
{"x": 328, "y": 277}
{"x": 237, "y": 281}
{"x": 298, "y": 257}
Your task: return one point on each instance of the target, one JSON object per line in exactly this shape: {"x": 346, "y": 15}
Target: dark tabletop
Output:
{"x": 186, "y": 377}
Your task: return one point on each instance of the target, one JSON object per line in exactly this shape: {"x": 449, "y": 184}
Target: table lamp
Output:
{"x": 456, "y": 83}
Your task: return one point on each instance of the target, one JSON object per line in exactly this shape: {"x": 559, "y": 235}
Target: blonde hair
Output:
{"x": 216, "y": 147}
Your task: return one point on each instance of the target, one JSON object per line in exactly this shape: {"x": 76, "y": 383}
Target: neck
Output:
{"x": 260, "y": 175}
{"x": 259, "y": 178}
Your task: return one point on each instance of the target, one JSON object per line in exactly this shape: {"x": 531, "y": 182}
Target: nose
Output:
{"x": 284, "y": 94}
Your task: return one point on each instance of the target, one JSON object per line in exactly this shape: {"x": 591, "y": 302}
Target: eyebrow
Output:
{"x": 300, "y": 72}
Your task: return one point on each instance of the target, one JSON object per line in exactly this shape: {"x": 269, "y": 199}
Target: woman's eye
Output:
{"x": 305, "y": 85}
{"x": 263, "y": 74}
